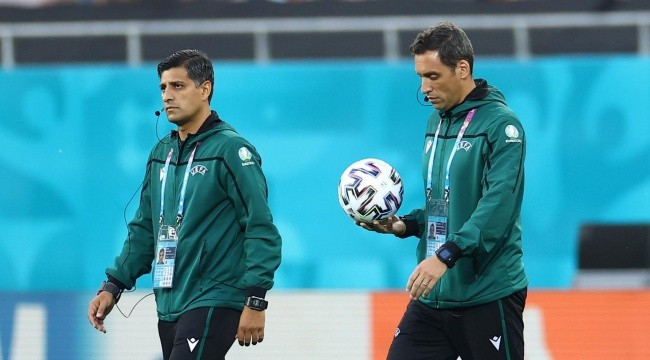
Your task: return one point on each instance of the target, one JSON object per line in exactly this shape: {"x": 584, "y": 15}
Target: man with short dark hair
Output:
{"x": 469, "y": 288}
{"x": 204, "y": 200}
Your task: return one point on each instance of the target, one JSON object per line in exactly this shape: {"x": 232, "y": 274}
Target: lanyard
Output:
{"x": 468, "y": 119}
{"x": 181, "y": 202}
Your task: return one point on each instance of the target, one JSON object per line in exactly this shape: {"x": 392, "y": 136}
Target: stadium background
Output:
{"x": 78, "y": 99}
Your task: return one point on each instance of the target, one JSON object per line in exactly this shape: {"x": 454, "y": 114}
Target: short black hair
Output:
{"x": 450, "y": 41}
{"x": 196, "y": 62}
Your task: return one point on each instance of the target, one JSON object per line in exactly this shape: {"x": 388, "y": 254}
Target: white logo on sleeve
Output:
{"x": 192, "y": 343}
{"x": 512, "y": 133}
{"x": 496, "y": 341}
{"x": 245, "y": 156}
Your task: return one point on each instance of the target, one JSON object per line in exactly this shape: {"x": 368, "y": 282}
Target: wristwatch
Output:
{"x": 446, "y": 256}
{"x": 111, "y": 288}
{"x": 256, "y": 303}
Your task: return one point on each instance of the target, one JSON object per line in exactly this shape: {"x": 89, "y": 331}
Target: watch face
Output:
{"x": 256, "y": 304}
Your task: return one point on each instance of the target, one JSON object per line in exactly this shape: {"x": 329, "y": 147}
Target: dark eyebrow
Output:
{"x": 172, "y": 83}
{"x": 430, "y": 73}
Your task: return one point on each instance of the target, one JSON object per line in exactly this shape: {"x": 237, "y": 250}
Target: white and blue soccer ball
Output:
{"x": 370, "y": 189}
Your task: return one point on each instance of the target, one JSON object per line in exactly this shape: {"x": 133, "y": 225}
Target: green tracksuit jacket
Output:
{"x": 228, "y": 246}
{"x": 486, "y": 190}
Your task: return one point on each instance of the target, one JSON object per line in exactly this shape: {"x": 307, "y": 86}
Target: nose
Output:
{"x": 166, "y": 95}
{"x": 425, "y": 86}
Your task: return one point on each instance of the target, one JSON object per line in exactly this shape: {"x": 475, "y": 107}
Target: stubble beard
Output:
{"x": 180, "y": 122}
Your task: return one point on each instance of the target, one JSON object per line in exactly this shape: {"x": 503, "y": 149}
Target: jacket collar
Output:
{"x": 209, "y": 123}
{"x": 480, "y": 92}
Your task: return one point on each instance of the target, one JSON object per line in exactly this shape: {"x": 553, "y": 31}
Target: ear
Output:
{"x": 462, "y": 69}
{"x": 206, "y": 88}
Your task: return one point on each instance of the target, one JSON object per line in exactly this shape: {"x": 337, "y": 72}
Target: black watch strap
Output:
{"x": 111, "y": 288}
{"x": 256, "y": 303}
{"x": 448, "y": 253}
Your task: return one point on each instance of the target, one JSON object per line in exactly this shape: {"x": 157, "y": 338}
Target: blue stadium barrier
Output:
{"x": 76, "y": 139}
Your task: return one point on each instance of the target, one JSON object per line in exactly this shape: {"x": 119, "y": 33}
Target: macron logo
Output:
{"x": 192, "y": 343}
{"x": 496, "y": 341}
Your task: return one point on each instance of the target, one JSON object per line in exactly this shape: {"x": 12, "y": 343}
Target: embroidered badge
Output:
{"x": 245, "y": 156}
{"x": 464, "y": 145}
{"x": 198, "y": 169}
{"x": 513, "y": 134}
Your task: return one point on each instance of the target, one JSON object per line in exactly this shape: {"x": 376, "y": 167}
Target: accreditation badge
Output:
{"x": 436, "y": 225}
{"x": 163, "y": 269}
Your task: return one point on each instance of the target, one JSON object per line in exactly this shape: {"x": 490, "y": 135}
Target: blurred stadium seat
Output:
{"x": 614, "y": 256}
{"x": 336, "y": 29}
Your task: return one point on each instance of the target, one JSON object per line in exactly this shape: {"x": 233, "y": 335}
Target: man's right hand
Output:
{"x": 99, "y": 308}
{"x": 391, "y": 225}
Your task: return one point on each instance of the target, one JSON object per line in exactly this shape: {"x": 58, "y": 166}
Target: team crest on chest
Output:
{"x": 464, "y": 145}
{"x": 198, "y": 169}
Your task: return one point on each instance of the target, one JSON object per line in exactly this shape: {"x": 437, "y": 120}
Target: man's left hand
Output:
{"x": 425, "y": 276}
{"x": 251, "y": 327}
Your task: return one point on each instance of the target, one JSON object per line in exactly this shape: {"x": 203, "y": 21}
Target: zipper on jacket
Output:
{"x": 447, "y": 121}
{"x": 441, "y": 165}
{"x": 181, "y": 149}
{"x": 179, "y": 157}
{"x": 441, "y": 180}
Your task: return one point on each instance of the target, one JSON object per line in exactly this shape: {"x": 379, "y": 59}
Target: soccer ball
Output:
{"x": 370, "y": 189}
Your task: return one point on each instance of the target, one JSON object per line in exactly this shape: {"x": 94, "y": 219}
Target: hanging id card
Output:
{"x": 163, "y": 270}
{"x": 436, "y": 225}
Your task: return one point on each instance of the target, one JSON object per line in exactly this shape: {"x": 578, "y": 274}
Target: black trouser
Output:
{"x": 492, "y": 331}
{"x": 199, "y": 334}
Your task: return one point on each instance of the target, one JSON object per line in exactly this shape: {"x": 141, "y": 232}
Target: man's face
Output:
{"x": 441, "y": 84}
{"x": 181, "y": 97}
